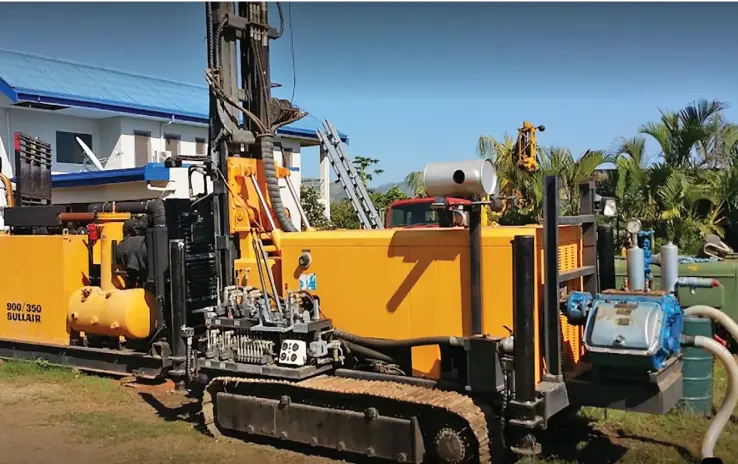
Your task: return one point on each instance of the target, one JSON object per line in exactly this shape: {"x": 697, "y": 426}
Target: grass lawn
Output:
{"x": 49, "y": 413}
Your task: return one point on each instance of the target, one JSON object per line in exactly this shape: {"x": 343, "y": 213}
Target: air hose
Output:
{"x": 272, "y": 183}
{"x": 368, "y": 352}
{"x": 407, "y": 343}
{"x": 726, "y": 358}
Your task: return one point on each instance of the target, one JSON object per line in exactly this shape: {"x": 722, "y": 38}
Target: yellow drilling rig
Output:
{"x": 409, "y": 345}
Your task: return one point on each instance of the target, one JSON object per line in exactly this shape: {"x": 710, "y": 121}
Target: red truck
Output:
{"x": 417, "y": 212}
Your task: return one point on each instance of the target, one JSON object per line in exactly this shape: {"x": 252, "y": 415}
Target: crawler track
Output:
{"x": 440, "y": 413}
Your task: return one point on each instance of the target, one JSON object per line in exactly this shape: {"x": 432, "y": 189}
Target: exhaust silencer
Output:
{"x": 473, "y": 178}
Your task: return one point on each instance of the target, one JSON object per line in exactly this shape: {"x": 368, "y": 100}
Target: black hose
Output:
{"x": 154, "y": 208}
{"x": 272, "y": 183}
{"x": 382, "y": 343}
{"x": 368, "y": 352}
{"x": 281, "y": 21}
{"x": 209, "y": 30}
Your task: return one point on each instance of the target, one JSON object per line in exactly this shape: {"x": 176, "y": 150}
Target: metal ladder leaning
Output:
{"x": 355, "y": 189}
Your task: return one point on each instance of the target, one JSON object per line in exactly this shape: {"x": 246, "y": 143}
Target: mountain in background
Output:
{"x": 337, "y": 193}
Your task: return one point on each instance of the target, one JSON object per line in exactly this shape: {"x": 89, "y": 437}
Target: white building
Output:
{"x": 128, "y": 120}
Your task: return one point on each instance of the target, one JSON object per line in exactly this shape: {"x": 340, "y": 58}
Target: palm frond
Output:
{"x": 661, "y": 133}
{"x": 699, "y": 112}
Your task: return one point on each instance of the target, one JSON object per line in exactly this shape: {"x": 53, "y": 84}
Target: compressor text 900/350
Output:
{"x": 24, "y": 312}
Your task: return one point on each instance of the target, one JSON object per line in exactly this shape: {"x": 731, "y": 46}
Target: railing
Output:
{"x": 552, "y": 219}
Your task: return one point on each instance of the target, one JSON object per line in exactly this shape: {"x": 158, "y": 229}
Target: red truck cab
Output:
{"x": 416, "y": 212}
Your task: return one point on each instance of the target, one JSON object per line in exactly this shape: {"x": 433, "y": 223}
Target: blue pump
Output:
{"x": 627, "y": 330}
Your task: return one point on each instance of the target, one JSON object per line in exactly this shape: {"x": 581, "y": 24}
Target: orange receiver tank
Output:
{"x": 113, "y": 313}
{"x": 108, "y": 310}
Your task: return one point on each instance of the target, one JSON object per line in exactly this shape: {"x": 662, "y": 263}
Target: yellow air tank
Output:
{"x": 107, "y": 310}
{"x": 112, "y": 313}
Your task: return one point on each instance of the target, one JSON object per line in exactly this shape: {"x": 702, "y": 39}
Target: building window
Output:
{"x": 172, "y": 144}
{"x": 68, "y": 150}
{"x": 142, "y": 147}
{"x": 200, "y": 146}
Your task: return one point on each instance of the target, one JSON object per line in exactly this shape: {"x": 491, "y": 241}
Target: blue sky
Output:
{"x": 412, "y": 83}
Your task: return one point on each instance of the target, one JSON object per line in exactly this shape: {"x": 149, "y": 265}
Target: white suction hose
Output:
{"x": 716, "y": 315}
{"x": 726, "y": 358}
{"x": 726, "y": 409}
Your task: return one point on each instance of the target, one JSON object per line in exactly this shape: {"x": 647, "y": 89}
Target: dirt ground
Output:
{"x": 60, "y": 416}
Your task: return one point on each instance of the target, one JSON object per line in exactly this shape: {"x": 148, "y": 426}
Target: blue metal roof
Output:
{"x": 29, "y": 77}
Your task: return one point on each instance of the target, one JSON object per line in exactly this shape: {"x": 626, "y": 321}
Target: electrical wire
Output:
{"x": 262, "y": 77}
{"x": 222, "y": 95}
{"x": 292, "y": 52}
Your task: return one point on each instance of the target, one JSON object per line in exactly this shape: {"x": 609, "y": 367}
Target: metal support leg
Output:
{"x": 606, "y": 253}
{"x": 551, "y": 323}
{"x": 475, "y": 258}
{"x": 524, "y": 418}
{"x": 178, "y": 309}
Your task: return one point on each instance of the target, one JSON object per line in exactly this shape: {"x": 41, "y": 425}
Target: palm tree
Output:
{"x": 528, "y": 187}
{"x": 414, "y": 183}
{"x": 560, "y": 162}
{"x": 680, "y": 134}
{"x": 503, "y": 155}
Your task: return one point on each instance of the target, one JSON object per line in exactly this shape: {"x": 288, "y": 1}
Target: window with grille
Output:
{"x": 200, "y": 146}
{"x": 172, "y": 143}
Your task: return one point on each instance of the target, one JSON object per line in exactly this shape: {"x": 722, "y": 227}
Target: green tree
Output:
{"x": 343, "y": 215}
{"x": 314, "y": 209}
{"x": 414, "y": 183}
{"x": 528, "y": 187}
{"x": 382, "y": 200}
{"x": 687, "y": 137}
{"x": 686, "y": 192}
{"x": 363, "y": 166}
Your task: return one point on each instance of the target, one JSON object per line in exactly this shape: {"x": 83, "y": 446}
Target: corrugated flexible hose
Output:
{"x": 726, "y": 358}
{"x": 272, "y": 183}
{"x": 731, "y": 398}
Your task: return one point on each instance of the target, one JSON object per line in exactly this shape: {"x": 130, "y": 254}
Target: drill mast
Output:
{"x": 243, "y": 117}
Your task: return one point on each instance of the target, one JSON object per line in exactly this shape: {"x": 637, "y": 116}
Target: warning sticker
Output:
{"x": 308, "y": 282}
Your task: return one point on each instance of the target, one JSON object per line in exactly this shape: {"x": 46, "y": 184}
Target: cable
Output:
{"x": 281, "y": 20}
{"x": 262, "y": 77}
{"x": 292, "y": 52}
{"x": 221, "y": 94}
